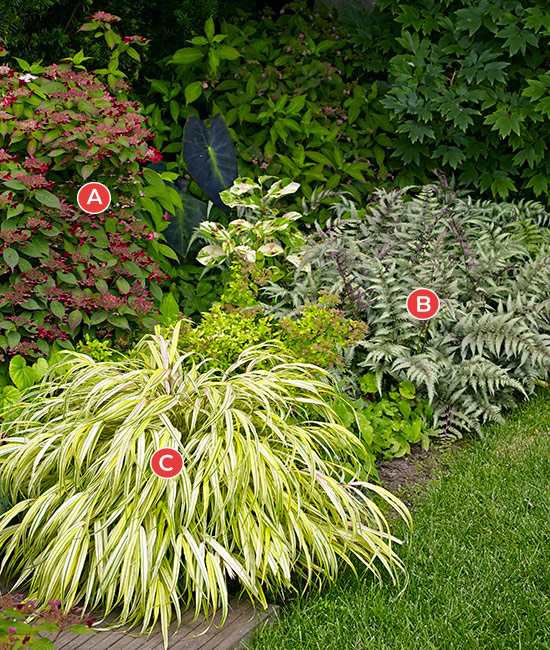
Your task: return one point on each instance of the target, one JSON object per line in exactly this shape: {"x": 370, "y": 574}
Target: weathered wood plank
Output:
{"x": 243, "y": 621}
{"x": 195, "y": 642}
{"x": 241, "y": 628}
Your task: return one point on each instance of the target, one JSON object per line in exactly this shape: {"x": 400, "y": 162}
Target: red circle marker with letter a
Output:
{"x": 422, "y": 304}
{"x": 93, "y": 198}
{"x": 167, "y": 462}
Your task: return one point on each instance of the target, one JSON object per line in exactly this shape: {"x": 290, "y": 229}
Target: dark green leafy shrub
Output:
{"x": 490, "y": 266}
{"x": 196, "y": 288}
{"x": 63, "y": 270}
{"x": 285, "y": 87}
{"x": 467, "y": 85}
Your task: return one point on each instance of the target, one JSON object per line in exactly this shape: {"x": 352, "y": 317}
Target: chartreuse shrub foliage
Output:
{"x": 271, "y": 490}
{"x": 317, "y": 337}
{"x": 63, "y": 271}
{"x": 320, "y": 335}
{"x": 467, "y": 87}
{"x": 489, "y": 263}
{"x": 285, "y": 87}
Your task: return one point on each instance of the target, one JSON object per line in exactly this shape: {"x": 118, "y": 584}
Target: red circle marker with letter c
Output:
{"x": 167, "y": 462}
{"x": 93, "y": 198}
{"x": 423, "y": 304}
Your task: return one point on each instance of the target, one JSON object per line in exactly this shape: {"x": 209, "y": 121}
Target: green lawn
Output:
{"x": 479, "y": 561}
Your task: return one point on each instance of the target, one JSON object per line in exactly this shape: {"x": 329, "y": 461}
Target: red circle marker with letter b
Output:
{"x": 167, "y": 462}
{"x": 423, "y": 304}
{"x": 93, "y": 198}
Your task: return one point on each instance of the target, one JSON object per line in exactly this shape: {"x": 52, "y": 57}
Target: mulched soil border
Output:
{"x": 406, "y": 477}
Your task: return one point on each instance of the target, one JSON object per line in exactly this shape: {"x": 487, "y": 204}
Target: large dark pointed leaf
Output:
{"x": 180, "y": 229}
{"x": 210, "y": 156}
{"x": 183, "y": 222}
{"x": 158, "y": 167}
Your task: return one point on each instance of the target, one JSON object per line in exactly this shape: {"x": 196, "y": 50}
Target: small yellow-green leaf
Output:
{"x": 193, "y": 91}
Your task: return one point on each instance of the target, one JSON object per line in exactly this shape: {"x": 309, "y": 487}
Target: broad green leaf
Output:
{"x": 118, "y": 321}
{"x": 296, "y": 105}
{"x": 102, "y": 286}
{"x": 193, "y": 91}
{"x": 43, "y": 644}
{"x": 227, "y": 52}
{"x": 87, "y": 171}
{"x": 318, "y": 157}
{"x": 199, "y": 40}
{"x": 47, "y": 198}
{"x": 21, "y": 375}
{"x": 186, "y": 55}
{"x": 213, "y": 62}
{"x": 15, "y": 185}
{"x": 407, "y": 389}
{"x": 539, "y": 183}
{"x": 209, "y": 28}
{"x": 74, "y": 319}
{"x": 505, "y": 121}
{"x": 14, "y": 338}
{"x": 13, "y": 212}
{"x": 11, "y": 257}
{"x": 169, "y": 308}
{"x": 122, "y": 285}
{"x": 40, "y": 368}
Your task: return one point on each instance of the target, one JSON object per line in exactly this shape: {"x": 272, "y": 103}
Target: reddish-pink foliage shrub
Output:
{"x": 63, "y": 271}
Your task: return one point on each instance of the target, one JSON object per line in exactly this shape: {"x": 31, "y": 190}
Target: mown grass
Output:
{"x": 479, "y": 560}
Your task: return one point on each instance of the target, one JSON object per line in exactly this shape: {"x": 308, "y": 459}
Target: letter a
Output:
{"x": 94, "y": 193}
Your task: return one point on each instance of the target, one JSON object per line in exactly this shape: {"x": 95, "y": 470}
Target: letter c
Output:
{"x": 166, "y": 469}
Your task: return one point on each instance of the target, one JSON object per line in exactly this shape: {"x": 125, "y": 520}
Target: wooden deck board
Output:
{"x": 196, "y": 642}
{"x": 243, "y": 620}
{"x": 241, "y": 628}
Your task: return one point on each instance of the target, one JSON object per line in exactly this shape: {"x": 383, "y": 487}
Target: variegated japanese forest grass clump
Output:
{"x": 265, "y": 495}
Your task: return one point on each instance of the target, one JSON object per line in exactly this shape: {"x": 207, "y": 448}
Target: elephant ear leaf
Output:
{"x": 158, "y": 167}
{"x": 183, "y": 223}
{"x": 210, "y": 156}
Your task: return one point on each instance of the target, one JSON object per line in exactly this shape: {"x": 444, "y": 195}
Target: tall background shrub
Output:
{"x": 467, "y": 87}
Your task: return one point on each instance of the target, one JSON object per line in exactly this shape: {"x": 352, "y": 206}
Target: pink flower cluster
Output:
{"x": 135, "y": 39}
{"x": 104, "y": 17}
